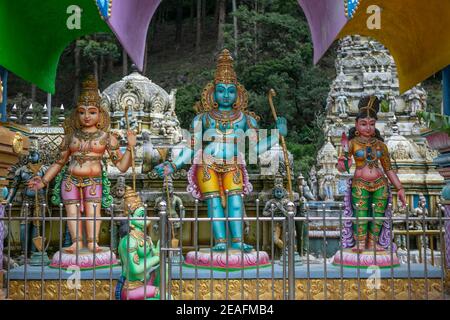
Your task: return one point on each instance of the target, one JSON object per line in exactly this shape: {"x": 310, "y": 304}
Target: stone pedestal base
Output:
{"x": 366, "y": 259}
{"x": 39, "y": 258}
{"x": 297, "y": 259}
{"x": 85, "y": 259}
{"x": 236, "y": 259}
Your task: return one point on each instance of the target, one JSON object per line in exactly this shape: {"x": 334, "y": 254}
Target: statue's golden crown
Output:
{"x": 225, "y": 72}
{"x": 132, "y": 200}
{"x": 90, "y": 95}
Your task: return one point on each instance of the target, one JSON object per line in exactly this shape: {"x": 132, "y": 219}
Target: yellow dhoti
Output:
{"x": 213, "y": 180}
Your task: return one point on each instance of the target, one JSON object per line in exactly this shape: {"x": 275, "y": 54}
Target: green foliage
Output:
{"x": 94, "y": 48}
{"x": 384, "y": 106}
{"x": 436, "y": 121}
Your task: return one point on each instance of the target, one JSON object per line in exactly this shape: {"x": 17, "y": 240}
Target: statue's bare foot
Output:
{"x": 357, "y": 250}
{"x": 242, "y": 246}
{"x": 78, "y": 245}
{"x": 94, "y": 245}
{"x": 359, "y": 247}
{"x": 220, "y": 247}
{"x": 375, "y": 247}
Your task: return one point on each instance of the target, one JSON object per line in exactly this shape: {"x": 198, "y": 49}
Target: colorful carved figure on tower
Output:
{"x": 81, "y": 178}
{"x": 138, "y": 254}
{"x": 369, "y": 192}
{"x": 219, "y": 175}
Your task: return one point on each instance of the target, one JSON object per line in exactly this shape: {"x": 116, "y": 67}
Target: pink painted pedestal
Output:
{"x": 366, "y": 259}
{"x": 218, "y": 260}
{"x": 85, "y": 260}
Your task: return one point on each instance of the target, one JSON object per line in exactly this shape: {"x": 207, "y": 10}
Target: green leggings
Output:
{"x": 363, "y": 200}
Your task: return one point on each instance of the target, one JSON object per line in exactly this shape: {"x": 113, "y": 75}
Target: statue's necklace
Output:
{"x": 224, "y": 119}
{"x": 371, "y": 152}
{"x": 140, "y": 237}
{"x": 88, "y": 136}
{"x": 86, "y": 139}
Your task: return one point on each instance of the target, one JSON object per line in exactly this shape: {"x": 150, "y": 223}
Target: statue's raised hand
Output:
{"x": 282, "y": 126}
{"x": 402, "y": 197}
{"x": 131, "y": 137}
{"x": 164, "y": 169}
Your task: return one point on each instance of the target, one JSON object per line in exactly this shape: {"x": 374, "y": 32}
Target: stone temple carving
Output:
{"x": 327, "y": 159}
{"x": 149, "y": 105}
{"x": 151, "y": 111}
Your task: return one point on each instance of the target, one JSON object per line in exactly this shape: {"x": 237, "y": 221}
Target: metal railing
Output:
{"x": 291, "y": 277}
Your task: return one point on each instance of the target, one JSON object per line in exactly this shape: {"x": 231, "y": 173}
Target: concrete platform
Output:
{"x": 301, "y": 272}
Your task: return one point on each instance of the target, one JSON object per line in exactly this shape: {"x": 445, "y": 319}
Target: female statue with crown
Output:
{"x": 218, "y": 175}
{"x": 81, "y": 178}
{"x": 368, "y": 194}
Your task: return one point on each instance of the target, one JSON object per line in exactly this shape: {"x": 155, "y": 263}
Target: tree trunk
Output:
{"x": 179, "y": 24}
{"x": 124, "y": 63}
{"x": 216, "y": 13}
{"x": 236, "y": 33}
{"x": 110, "y": 67}
{"x": 255, "y": 48}
{"x": 199, "y": 26}
{"x": 76, "y": 91}
{"x": 101, "y": 67}
{"x": 192, "y": 14}
{"x": 203, "y": 14}
{"x": 33, "y": 93}
{"x": 220, "y": 33}
{"x": 96, "y": 69}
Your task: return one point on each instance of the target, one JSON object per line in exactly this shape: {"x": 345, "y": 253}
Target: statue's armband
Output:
{"x": 113, "y": 149}
{"x": 64, "y": 152}
{"x": 386, "y": 159}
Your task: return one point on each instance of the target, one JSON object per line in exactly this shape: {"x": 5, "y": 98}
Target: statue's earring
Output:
{"x": 100, "y": 125}
{"x": 357, "y": 133}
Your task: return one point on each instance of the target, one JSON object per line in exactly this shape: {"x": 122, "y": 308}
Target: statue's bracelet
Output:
{"x": 44, "y": 181}
{"x": 129, "y": 149}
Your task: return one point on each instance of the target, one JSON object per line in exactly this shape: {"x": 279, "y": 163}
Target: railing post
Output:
{"x": 2, "y": 229}
{"x": 162, "y": 250}
{"x": 291, "y": 250}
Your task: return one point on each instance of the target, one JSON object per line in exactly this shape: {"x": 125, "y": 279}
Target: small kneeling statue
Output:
{"x": 138, "y": 255}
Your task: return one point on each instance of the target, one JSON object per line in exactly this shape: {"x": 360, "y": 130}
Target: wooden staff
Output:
{"x": 175, "y": 241}
{"x": 38, "y": 240}
{"x": 133, "y": 169}
{"x": 272, "y": 94}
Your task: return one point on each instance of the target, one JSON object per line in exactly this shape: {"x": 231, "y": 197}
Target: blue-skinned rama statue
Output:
{"x": 218, "y": 135}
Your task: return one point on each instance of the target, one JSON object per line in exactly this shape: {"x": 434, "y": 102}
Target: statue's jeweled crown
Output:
{"x": 225, "y": 72}
{"x": 90, "y": 95}
{"x": 132, "y": 200}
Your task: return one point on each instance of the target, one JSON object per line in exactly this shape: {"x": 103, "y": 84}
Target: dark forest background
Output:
{"x": 271, "y": 43}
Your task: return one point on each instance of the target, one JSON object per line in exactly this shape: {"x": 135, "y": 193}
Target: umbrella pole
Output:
{"x": 446, "y": 90}
{"x": 3, "y": 98}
